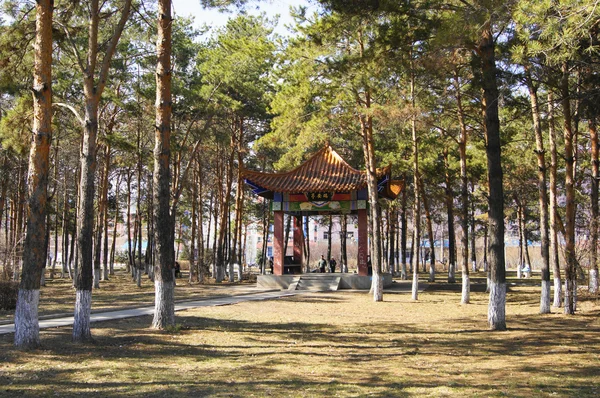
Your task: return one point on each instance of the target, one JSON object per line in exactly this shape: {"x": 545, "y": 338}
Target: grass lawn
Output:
{"x": 58, "y": 296}
{"x": 325, "y": 345}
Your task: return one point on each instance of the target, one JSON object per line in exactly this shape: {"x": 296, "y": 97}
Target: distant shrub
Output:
{"x": 8, "y": 295}
{"x": 121, "y": 257}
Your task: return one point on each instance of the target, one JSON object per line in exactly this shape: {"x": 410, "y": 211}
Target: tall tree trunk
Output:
{"x": 366, "y": 122}
{"x": 85, "y": 230}
{"x": 100, "y": 224}
{"x": 429, "y": 222}
{"x": 26, "y": 313}
{"x": 329, "y": 231}
{"x": 464, "y": 194}
{"x": 392, "y": 223}
{"x": 201, "y": 265}
{"x": 239, "y": 200}
{"x": 65, "y": 228}
{"x": 473, "y": 228}
{"x": 523, "y": 237}
{"x": 241, "y": 235}
{"x": 46, "y": 247}
{"x": 194, "y": 193}
{"x": 417, "y": 203}
{"x": 384, "y": 238}
{"x": 553, "y": 211}
{"x": 593, "y": 283}
{"x": 4, "y": 173}
{"x": 542, "y": 194}
{"x": 134, "y": 248}
{"x": 56, "y": 219}
{"x": 130, "y": 263}
{"x": 208, "y": 227}
{"x": 403, "y": 233}
{"x": 150, "y": 252}
{"x": 343, "y": 242}
{"x": 164, "y": 308}
{"x": 85, "y": 215}
{"x": 485, "y": 262}
{"x": 449, "y": 196}
{"x": 105, "y": 270}
{"x": 55, "y": 254}
{"x": 20, "y": 215}
{"x": 369, "y": 154}
{"x": 223, "y": 226}
{"x": 569, "y": 135}
{"x": 244, "y": 236}
{"x": 306, "y": 247}
{"x": 215, "y": 216}
{"x": 73, "y": 253}
{"x": 111, "y": 268}
{"x": 138, "y": 214}
{"x": 521, "y": 257}
{"x": 497, "y": 300}
{"x": 286, "y": 238}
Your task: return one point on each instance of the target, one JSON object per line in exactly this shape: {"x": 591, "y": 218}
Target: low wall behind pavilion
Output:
{"x": 348, "y": 281}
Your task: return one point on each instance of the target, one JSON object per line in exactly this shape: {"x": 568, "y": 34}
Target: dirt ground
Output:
{"x": 334, "y": 344}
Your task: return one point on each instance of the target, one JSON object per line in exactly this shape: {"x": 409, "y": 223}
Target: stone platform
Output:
{"x": 347, "y": 281}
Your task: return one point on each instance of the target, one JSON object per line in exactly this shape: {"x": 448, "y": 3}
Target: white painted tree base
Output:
{"x": 488, "y": 281}
{"x": 466, "y": 289}
{"x": 557, "y": 302}
{"x": 96, "y": 278}
{"x": 431, "y": 273}
{"x": 415, "y": 286}
{"x": 403, "y": 274}
{"x": 151, "y": 273}
{"x": 231, "y": 274}
{"x": 451, "y": 273}
{"x": 164, "y": 304}
{"x": 81, "y": 317}
{"x": 474, "y": 266}
{"x": 240, "y": 271}
{"x": 27, "y": 327}
{"x": 545, "y": 298}
{"x": 497, "y": 306}
{"x": 377, "y": 288}
{"x": 593, "y": 281}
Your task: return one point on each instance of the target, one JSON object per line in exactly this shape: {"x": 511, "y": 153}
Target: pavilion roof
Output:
{"x": 325, "y": 171}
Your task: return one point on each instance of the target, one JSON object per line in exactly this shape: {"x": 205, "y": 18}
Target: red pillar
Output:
{"x": 363, "y": 242}
{"x": 298, "y": 240}
{"x": 278, "y": 249}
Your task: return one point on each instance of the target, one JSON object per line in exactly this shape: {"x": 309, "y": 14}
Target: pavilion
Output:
{"x": 325, "y": 184}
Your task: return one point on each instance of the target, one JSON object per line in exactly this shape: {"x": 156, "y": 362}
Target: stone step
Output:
{"x": 318, "y": 283}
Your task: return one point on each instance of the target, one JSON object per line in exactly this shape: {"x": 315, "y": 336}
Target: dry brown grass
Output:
{"x": 58, "y": 296}
{"x": 323, "y": 345}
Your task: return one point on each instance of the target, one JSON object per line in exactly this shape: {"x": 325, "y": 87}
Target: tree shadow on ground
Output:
{"x": 219, "y": 356}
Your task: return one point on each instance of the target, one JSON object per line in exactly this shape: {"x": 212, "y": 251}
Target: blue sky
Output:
{"x": 216, "y": 18}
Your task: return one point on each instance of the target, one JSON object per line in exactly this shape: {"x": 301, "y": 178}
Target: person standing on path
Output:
{"x": 322, "y": 264}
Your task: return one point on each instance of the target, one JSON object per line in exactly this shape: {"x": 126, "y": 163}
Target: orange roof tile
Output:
{"x": 325, "y": 171}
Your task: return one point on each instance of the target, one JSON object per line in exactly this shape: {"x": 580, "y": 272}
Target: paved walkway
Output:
{"x": 133, "y": 312}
